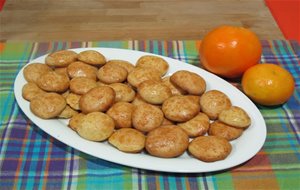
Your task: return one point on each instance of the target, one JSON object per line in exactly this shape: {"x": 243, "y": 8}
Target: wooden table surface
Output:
{"x": 92, "y": 20}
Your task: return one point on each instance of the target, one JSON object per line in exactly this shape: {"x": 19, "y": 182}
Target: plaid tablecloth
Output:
{"x": 31, "y": 159}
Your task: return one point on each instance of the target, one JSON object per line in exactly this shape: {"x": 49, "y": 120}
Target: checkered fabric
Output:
{"x": 31, "y": 159}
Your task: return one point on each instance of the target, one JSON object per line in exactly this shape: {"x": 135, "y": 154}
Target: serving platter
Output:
{"x": 243, "y": 148}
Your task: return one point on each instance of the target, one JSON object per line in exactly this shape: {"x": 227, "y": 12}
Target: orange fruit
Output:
{"x": 268, "y": 84}
{"x": 229, "y": 51}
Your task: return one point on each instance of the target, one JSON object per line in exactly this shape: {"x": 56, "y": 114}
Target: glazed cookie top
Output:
{"x": 180, "y": 108}
{"x": 96, "y": 126}
{"x": 210, "y": 148}
{"x": 48, "y": 105}
{"x": 112, "y": 74}
{"x": 188, "y": 81}
{"x": 128, "y": 140}
{"x": 97, "y": 99}
{"x": 80, "y": 69}
{"x": 213, "y": 102}
{"x": 153, "y": 62}
{"x": 167, "y": 141}
{"x": 33, "y": 71}
{"x": 92, "y": 57}
{"x": 53, "y": 82}
{"x": 61, "y": 58}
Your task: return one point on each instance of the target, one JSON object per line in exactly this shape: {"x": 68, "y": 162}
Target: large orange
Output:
{"x": 229, "y": 51}
{"x": 268, "y": 84}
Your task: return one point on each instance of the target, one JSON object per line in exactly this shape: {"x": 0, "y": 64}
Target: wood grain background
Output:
{"x": 92, "y": 20}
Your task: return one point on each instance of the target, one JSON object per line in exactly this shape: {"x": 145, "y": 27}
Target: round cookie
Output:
{"x": 236, "y": 117}
{"x": 123, "y": 92}
{"x": 153, "y": 62}
{"x": 196, "y": 126}
{"x": 80, "y": 69}
{"x": 47, "y": 105}
{"x": 121, "y": 112}
{"x": 97, "y": 99}
{"x": 125, "y": 64}
{"x": 210, "y": 148}
{"x": 180, "y": 108}
{"x": 81, "y": 85}
{"x": 213, "y": 102}
{"x": 138, "y": 100}
{"x": 146, "y": 117}
{"x": 112, "y": 74}
{"x": 75, "y": 121}
{"x": 167, "y": 141}
{"x": 92, "y": 57}
{"x": 174, "y": 89}
{"x": 73, "y": 100}
{"x": 61, "y": 58}
{"x": 139, "y": 75}
{"x": 33, "y": 71}
{"x": 67, "y": 113}
{"x": 154, "y": 92}
{"x": 190, "y": 82}
{"x": 128, "y": 140}
{"x": 61, "y": 70}
{"x": 96, "y": 126}
{"x": 228, "y": 132}
{"x": 53, "y": 82}
{"x": 31, "y": 90}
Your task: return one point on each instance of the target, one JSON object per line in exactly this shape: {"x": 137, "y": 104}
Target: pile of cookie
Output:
{"x": 135, "y": 108}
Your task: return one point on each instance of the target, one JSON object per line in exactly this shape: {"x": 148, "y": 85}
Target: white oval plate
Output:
{"x": 243, "y": 149}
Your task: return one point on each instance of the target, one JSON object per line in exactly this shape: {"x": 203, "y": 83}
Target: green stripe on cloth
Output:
{"x": 31, "y": 159}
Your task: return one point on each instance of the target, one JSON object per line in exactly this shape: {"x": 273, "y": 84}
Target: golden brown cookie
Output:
{"x": 124, "y": 92}
{"x": 125, "y": 64}
{"x": 138, "y": 100}
{"x": 128, "y": 140}
{"x": 96, "y": 126}
{"x": 112, "y": 74}
{"x": 31, "y": 90}
{"x": 153, "y": 62}
{"x": 97, "y": 99}
{"x": 175, "y": 90}
{"x": 81, "y": 85}
{"x": 67, "y": 113}
{"x": 236, "y": 117}
{"x": 228, "y": 132}
{"x": 213, "y": 102}
{"x": 196, "y": 126}
{"x": 180, "y": 108}
{"x": 167, "y": 122}
{"x": 33, "y": 71}
{"x": 154, "y": 92}
{"x": 66, "y": 93}
{"x": 80, "y": 69}
{"x": 61, "y": 58}
{"x": 47, "y": 105}
{"x": 75, "y": 121}
{"x": 121, "y": 112}
{"x": 167, "y": 141}
{"x": 73, "y": 100}
{"x": 147, "y": 117}
{"x": 92, "y": 57}
{"x": 210, "y": 148}
{"x": 190, "y": 82}
{"x": 53, "y": 82}
{"x": 139, "y": 75}
{"x": 61, "y": 70}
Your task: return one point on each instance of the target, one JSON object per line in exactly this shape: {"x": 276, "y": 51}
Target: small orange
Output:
{"x": 268, "y": 84}
{"x": 229, "y": 51}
